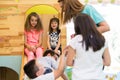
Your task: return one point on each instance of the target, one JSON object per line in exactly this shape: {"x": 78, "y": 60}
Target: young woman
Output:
{"x": 70, "y": 8}
{"x": 87, "y": 51}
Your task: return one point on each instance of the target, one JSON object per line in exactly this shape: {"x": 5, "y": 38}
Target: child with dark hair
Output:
{"x": 54, "y": 56}
{"x": 40, "y": 69}
{"x": 33, "y": 36}
{"x": 53, "y": 40}
{"x": 49, "y": 52}
{"x": 31, "y": 69}
{"x": 86, "y": 49}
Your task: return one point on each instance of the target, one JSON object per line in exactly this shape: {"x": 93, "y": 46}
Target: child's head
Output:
{"x": 33, "y": 69}
{"x": 51, "y": 53}
{"x": 54, "y": 25}
{"x": 33, "y": 21}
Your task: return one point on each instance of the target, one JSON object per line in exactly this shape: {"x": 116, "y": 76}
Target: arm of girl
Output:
{"x": 70, "y": 56}
{"x": 58, "y": 45}
{"x": 48, "y": 42}
{"x": 25, "y": 44}
{"x": 40, "y": 40}
{"x": 106, "y": 58}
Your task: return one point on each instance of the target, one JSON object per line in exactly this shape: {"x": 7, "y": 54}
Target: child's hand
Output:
{"x": 72, "y": 36}
{"x": 33, "y": 48}
{"x": 37, "y": 45}
{"x": 29, "y": 48}
{"x": 56, "y": 51}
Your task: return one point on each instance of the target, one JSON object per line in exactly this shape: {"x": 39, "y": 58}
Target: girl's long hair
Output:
{"x": 50, "y": 28}
{"x": 39, "y": 25}
{"x": 70, "y": 9}
{"x": 85, "y": 26}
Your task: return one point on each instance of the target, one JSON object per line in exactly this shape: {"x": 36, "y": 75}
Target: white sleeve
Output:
{"x": 54, "y": 64}
{"x": 72, "y": 43}
{"x": 49, "y": 76}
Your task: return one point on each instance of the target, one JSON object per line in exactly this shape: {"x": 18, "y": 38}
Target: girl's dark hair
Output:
{"x": 85, "y": 26}
{"x": 70, "y": 9}
{"x": 54, "y": 20}
{"x": 48, "y": 51}
{"x": 31, "y": 68}
{"x": 39, "y": 25}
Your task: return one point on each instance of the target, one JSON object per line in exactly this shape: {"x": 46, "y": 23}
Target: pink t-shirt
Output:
{"x": 33, "y": 36}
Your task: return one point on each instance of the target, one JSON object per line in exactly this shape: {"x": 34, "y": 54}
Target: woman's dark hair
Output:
{"x": 60, "y": 0}
{"x": 70, "y": 9}
{"x": 50, "y": 28}
{"x": 85, "y": 26}
{"x": 39, "y": 25}
{"x": 30, "y": 69}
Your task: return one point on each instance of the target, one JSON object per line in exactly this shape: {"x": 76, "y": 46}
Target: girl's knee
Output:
{"x": 39, "y": 50}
